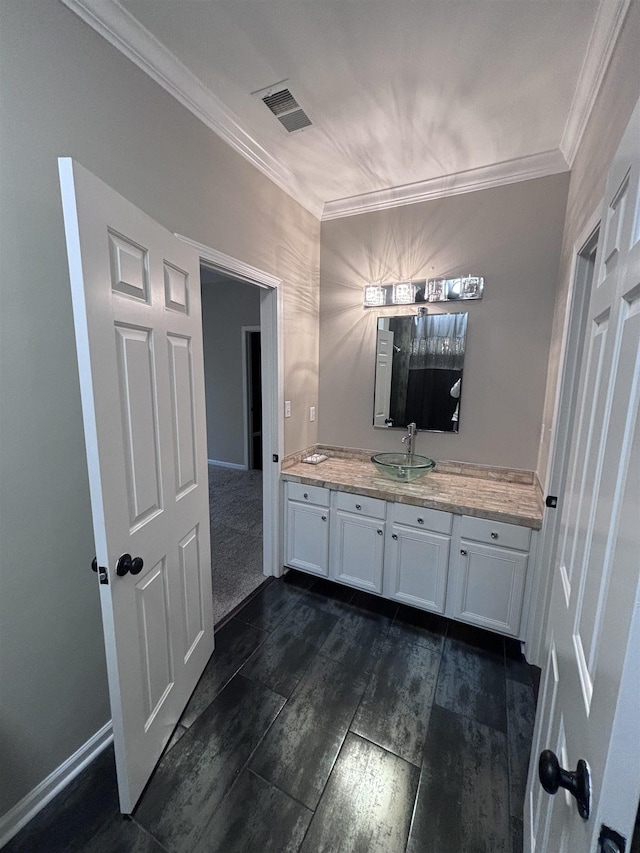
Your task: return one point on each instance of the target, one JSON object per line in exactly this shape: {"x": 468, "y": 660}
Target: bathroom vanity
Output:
{"x": 459, "y": 542}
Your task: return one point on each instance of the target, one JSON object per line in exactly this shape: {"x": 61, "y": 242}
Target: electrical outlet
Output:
{"x": 287, "y": 408}
{"x": 312, "y": 413}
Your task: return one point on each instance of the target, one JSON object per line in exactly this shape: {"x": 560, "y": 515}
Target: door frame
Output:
{"x": 560, "y": 445}
{"x": 245, "y": 332}
{"x": 272, "y": 392}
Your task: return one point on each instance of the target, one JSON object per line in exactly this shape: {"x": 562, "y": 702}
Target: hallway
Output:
{"x": 235, "y": 513}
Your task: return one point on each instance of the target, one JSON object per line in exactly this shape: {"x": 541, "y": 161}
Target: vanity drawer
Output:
{"x": 360, "y": 505}
{"x": 423, "y": 518}
{"x": 308, "y": 494}
{"x": 495, "y": 533}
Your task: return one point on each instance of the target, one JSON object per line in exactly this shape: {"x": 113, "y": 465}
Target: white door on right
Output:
{"x": 589, "y": 707}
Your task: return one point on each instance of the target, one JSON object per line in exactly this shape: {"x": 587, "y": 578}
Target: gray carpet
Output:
{"x": 235, "y": 512}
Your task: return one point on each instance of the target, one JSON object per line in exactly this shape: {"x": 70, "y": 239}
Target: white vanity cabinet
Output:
{"x": 416, "y": 561}
{"x": 488, "y": 575}
{"x": 466, "y": 568}
{"x": 357, "y": 540}
{"x": 307, "y": 528}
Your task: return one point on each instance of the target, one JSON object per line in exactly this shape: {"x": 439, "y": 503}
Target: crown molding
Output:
{"x": 115, "y": 24}
{"x": 485, "y": 177}
{"x": 606, "y": 28}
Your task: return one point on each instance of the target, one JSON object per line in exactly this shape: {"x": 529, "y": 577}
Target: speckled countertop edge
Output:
{"x": 495, "y": 496}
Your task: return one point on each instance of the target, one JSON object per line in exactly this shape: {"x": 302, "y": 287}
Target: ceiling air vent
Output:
{"x": 284, "y": 106}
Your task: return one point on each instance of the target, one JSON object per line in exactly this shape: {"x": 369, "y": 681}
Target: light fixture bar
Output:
{"x": 423, "y": 290}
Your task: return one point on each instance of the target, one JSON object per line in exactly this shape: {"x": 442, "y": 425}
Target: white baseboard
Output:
{"x": 236, "y": 465}
{"x": 28, "y": 807}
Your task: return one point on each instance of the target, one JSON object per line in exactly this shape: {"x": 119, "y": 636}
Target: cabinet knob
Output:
{"x": 494, "y": 535}
{"x": 421, "y": 521}
{"x": 324, "y": 517}
{"x": 394, "y": 535}
{"x": 463, "y": 552}
{"x": 379, "y": 532}
{"x": 306, "y": 496}
{"x": 358, "y": 506}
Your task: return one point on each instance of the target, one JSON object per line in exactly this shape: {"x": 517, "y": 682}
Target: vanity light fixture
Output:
{"x": 374, "y": 294}
{"x": 404, "y": 293}
{"x": 424, "y": 290}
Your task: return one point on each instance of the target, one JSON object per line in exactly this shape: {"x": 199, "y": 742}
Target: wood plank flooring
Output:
{"x": 326, "y": 720}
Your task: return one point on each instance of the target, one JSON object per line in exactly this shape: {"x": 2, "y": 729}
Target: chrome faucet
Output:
{"x": 409, "y": 437}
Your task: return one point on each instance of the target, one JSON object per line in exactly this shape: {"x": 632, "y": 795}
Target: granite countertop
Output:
{"x": 487, "y": 493}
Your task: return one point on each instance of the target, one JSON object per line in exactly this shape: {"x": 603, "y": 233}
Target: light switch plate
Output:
{"x": 312, "y": 413}
{"x": 287, "y": 408}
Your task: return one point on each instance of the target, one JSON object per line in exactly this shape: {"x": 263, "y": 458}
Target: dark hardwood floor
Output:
{"x": 326, "y": 720}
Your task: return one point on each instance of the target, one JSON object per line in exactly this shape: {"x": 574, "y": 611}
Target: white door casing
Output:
{"x": 588, "y": 706}
{"x": 581, "y": 276}
{"x": 136, "y": 303}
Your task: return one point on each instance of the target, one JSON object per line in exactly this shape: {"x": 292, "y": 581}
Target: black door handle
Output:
{"x": 100, "y": 570}
{"x": 127, "y": 563}
{"x": 577, "y": 782}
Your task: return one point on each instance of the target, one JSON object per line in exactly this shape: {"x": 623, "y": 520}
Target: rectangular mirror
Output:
{"x": 419, "y": 363}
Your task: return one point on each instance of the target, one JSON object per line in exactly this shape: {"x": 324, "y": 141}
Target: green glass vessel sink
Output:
{"x": 401, "y": 467}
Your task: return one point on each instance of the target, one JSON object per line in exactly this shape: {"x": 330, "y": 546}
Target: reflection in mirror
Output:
{"x": 419, "y": 362}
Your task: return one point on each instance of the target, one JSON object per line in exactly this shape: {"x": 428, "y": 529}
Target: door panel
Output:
{"x": 136, "y": 301}
{"x": 176, "y": 289}
{"x": 152, "y": 599}
{"x": 191, "y": 569}
{"x": 139, "y": 409}
{"x": 182, "y": 413}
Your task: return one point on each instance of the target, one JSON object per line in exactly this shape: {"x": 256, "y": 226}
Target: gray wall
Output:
{"x": 511, "y": 235}
{"x": 613, "y": 107}
{"x": 227, "y": 306}
{"x": 65, "y": 91}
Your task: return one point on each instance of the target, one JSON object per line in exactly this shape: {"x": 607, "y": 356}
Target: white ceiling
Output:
{"x": 408, "y": 98}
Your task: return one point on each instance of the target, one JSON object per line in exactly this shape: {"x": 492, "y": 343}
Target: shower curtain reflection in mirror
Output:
{"x": 419, "y": 363}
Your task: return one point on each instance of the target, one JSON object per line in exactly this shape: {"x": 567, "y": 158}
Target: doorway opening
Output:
{"x": 233, "y": 396}
{"x": 269, "y": 289}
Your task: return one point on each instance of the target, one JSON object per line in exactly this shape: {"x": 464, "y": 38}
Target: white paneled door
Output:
{"x": 136, "y": 303}
{"x": 589, "y": 706}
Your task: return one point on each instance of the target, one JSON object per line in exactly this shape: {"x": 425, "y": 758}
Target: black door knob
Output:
{"x": 127, "y": 563}
{"x": 578, "y": 783}
{"x": 100, "y": 570}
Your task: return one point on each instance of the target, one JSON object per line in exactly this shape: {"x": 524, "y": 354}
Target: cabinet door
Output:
{"x": 357, "y": 550}
{"x": 487, "y": 587}
{"x": 416, "y": 566}
{"x": 307, "y": 540}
